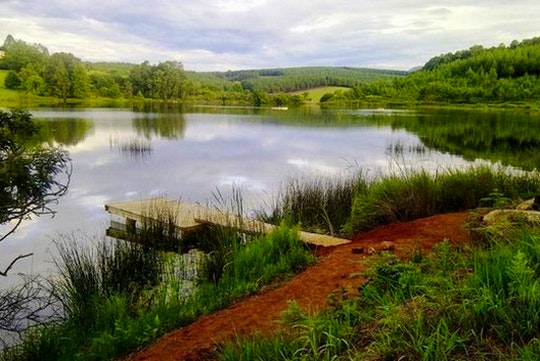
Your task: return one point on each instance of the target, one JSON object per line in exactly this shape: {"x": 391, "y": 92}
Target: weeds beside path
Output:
{"x": 338, "y": 273}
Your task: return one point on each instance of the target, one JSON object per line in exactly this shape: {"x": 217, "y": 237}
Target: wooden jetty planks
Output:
{"x": 190, "y": 217}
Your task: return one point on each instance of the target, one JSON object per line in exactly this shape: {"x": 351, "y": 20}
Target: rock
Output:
{"x": 501, "y": 216}
{"x": 387, "y": 246}
{"x": 527, "y": 205}
{"x": 531, "y": 204}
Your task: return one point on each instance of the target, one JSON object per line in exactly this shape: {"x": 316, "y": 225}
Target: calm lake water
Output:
{"x": 194, "y": 154}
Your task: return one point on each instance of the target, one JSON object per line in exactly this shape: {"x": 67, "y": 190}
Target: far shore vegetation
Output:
{"x": 502, "y": 76}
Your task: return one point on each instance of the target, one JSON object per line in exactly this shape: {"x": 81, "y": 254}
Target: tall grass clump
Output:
{"x": 411, "y": 195}
{"x": 246, "y": 266}
{"x": 88, "y": 277}
{"x": 507, "y": 284}
{"x": 350, "y": 205}
{"x": 157, "y": 227}
{"x": 123, "y": 295}
{"x": 318, "y": 205}
{"x": 135, "y": 148}
{"x": 327, "y": 336}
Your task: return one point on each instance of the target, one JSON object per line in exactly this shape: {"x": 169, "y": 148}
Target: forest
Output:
{"x": 501, "y": 74}
{"x": 476, "y": 75}
{"x": 33, "y": 71}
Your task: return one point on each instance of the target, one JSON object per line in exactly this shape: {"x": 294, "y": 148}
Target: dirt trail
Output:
{"x": 338, "y": 270}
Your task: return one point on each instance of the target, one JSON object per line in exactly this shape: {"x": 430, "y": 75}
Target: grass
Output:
{"x": 479, "y": 303}
{"x": 348, "y": 206}
{"x": 17, "y": 98}
{"x": 315, "y": 94}
{"x": 123, "y": 295}
{"x": 419, "y": 194}
{"x": 455, "y": 304}
{"x": 320, "y": 205}
{"x": 9, "y": 97}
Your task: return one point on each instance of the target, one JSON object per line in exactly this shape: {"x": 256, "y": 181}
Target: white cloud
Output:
{"x": 234, "y": 34}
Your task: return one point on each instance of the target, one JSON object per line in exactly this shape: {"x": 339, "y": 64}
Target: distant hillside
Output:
{"x": 269, "y": 80}
{"x": 303, "y": 78}
{"x": 476, "y": 75}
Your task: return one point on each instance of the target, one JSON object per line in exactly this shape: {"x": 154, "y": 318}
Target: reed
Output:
{"x": 318, "y": 205}
{"x": 411, "y": 195}
{"x": 120, "y": 296}
{"x": 135, "y": 148}
{"x": 88, "y": 276}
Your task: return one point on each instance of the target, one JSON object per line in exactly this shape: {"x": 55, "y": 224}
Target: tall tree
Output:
{"x": 163, "y": 81}
{"x": 18, "y": 54}
{"x": 66, "y": 76}
{"x": 80, "y": 83}
{"x": 57, "y": 77}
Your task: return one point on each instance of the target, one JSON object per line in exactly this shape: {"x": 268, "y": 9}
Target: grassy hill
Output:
{"x": 9, "y": 97}
{"x": 303, "y": 78}
{"x": 313, "y": 96}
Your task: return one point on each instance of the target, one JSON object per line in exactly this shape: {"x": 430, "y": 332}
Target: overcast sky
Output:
{"x": 244, "y": 34}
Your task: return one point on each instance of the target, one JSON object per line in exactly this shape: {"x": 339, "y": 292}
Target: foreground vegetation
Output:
{"x": 479, "y": 302}
{"x": 120, "y": 296}
{"x": 348, "y": 206}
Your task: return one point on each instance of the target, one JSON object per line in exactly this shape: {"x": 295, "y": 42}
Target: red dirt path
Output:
{"x": 338, "y": 270}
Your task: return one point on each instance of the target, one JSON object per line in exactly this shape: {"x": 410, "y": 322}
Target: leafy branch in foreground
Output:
{"x": 31, "y": 177}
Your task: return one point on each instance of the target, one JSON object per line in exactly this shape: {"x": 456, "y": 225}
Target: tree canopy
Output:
{"x": 478, "y": 74}
{"x": 31, "y": 177}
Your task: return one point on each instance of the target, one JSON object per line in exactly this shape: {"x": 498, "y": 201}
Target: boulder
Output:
{"x": 532, "y": 204}
{"x": 501, "y": 216}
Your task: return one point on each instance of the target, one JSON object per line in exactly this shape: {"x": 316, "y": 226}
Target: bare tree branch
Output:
{"x": 26, "y": 305}
{"x": 15, "y": 260}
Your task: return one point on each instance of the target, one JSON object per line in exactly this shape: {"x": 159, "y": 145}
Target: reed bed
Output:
{"x": 119, "y": 296}
{"x": 351, "y": 205}
{"x": 456, "y": 304}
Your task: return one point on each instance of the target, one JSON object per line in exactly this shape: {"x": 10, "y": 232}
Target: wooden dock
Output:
{"x": 190, "y": 217}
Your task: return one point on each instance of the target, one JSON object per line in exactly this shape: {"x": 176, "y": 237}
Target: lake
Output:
{"x": 122, "y": 154}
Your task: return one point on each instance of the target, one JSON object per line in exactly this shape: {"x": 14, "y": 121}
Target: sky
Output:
{"x": 220, "y": 35}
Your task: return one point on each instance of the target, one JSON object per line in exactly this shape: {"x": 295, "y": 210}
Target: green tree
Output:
{"x": 12, "y": 81}
{"x": 34, "y": 85}
{"x": 57, "y": 78}
{"x": 163, "y": 81}
{"x": 80, "y": 84}
{"x": 30, "y": 181}
{"x": 140, "y": 78}
{"x": 66, "y": 76}
{"x": 31, "y": 178}
{"x": 19, "y": 54}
